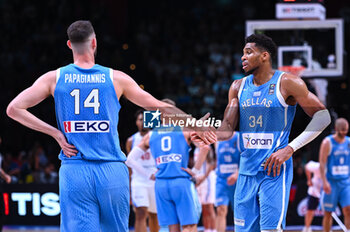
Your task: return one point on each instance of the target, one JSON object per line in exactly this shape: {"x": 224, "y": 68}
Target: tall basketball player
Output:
{"x": 267, "y": 100}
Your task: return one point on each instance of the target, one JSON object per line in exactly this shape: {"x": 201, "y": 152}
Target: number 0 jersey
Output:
{"x": 265, "y": 122}
{"x": 171, "y": 152}
{"x": 87, "y": 110}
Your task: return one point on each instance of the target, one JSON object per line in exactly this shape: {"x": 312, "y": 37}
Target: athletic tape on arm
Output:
{"x": 319, "y": 122}
{"x": 131, "y": 161}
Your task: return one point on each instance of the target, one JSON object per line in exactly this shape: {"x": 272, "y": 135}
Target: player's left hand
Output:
{"x": 276, "y": 160}
{"x": 231, "y": 180}
{"x": 198, "y": 178}
{"x": 68, "y": 149}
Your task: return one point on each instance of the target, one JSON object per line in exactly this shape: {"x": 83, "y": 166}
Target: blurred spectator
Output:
{"x": 48, "y": 175}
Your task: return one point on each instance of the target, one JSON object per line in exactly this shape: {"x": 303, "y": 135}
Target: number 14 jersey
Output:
{"x": 87, "y": 110}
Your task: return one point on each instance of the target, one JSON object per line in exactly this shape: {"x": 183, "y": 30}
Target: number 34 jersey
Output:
{"x": 87, "y": 110}
{"x": 265, "y": 122}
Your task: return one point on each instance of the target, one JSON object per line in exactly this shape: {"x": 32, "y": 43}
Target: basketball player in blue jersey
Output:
{"x": 177, "y": 201}
{"x": 334, "y": 168}
{"x": 94, "y": 186}
{"x": 264, "y": 102}
{"x": 228, "y": 155}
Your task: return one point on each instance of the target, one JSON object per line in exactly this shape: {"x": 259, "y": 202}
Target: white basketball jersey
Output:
{"x": 146, "y": 160}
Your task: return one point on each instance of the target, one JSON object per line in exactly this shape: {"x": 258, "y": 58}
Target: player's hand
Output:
{"x": 198, "y": 178}
{"x": 275, "y": 161}
{"x": 204, "y": 135}
{"x": 231, "y": 180}
{"x": 153, "y": 177}
{"x": 327, "y": 187}
{"x": 8, "y": 178}
{"x": 309, "y": 183}
{"x": 68, "y": 149}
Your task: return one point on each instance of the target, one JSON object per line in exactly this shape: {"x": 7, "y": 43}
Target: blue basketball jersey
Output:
{"x": 265, "y": 122}
{"x": 228, "y": 155}
{"x": 87, "y": 110}
{"x": 338, "y": 161}
{"x": 171, "y": 152}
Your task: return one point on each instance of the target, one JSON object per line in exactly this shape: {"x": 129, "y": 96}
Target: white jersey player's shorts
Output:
{"x": 144, "y": 196}
{"x": 206, "y": 190}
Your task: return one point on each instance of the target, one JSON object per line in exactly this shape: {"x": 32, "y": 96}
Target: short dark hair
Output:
{"x": 263, "y": 42}
{"x": 138, "y": 112}
{"x": 80, "y": 31}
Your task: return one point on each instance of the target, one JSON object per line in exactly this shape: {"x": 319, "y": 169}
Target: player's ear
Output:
{"x": 265, "y": 56}
{"x": 69, "y": 44}
{"x": 94, "y": 43}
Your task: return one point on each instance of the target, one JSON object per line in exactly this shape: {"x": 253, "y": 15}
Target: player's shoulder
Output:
{"x": 49, "y": 77}
{"x": 119, "y": 74}
{"x": 235, "y": 86}
{"x": 347, "y": 138}
{"x": 327, "y": 140}
{"x": 288, "y": 78}
{"x": 130, "y": 139}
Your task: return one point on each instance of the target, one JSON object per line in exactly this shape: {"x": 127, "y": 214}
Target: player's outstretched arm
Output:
{"x": 40, "y": 90}
{"x": 231, "y": 117}
{"x": 323, "y": 156}
{"x": 294, "y": 90}
{"x": 125, "y": 85}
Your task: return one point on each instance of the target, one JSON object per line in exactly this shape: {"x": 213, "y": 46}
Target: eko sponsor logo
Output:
{"x": 86, "y": 126}
{"x": 257, "y": 140}
{"x": 169, "y": 158}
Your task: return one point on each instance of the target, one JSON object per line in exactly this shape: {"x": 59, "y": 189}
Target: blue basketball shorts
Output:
{"x": 177, "y": 202}
{"x": 94, "y": 196}
{"x": 224, "y": 193}
{"x": 340, "y": 193}
{"x": 261, "y": 201}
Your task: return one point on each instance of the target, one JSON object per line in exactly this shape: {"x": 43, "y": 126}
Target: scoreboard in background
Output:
{"x": 300, "y": 9}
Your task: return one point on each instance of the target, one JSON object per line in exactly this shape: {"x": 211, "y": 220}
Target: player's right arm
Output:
{"x": 308, "y": 174}
{"x": 323, "y": 156}
{"x": 230, "y": 119}
{"x": 6, "y": 177}
{"x": 42, "y": 88}
{"x": 128, "y": 145}
{"x": 125, "y": 85}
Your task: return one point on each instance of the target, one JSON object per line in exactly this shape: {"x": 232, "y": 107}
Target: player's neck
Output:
{"x": 142, "y": 133}
{"x": 338, "y": 139}
{"x": 262, "y": 75}
{"x": 86, "y": 60}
